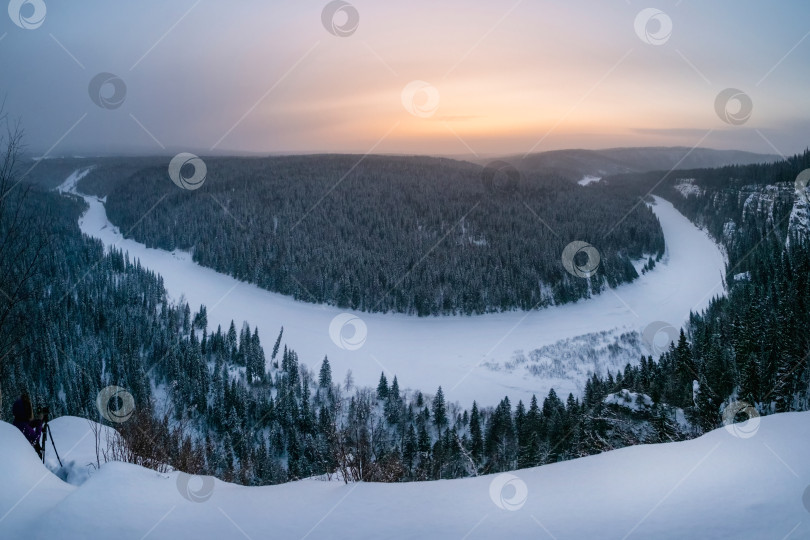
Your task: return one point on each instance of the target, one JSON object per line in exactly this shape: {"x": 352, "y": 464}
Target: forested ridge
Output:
{"x": 751, "y": 345}
{"x": 414, "y": 235}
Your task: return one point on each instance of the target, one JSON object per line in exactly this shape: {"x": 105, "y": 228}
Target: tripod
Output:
{"x": 46, "y": 429}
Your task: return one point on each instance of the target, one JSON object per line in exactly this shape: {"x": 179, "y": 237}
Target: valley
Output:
{"x": 480, "y": 357}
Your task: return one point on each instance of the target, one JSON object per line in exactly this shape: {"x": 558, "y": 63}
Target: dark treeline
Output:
{"x": 90, "y": 317}
{"x": 407, "y": 234}
{"x": 754, "y": 344}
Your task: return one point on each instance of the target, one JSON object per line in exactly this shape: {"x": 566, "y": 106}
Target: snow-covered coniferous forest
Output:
{"x": 345, "y": 270}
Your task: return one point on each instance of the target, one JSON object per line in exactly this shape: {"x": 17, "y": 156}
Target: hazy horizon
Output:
{"x": 499, "y": 79}
{"x": 482, "y": 157}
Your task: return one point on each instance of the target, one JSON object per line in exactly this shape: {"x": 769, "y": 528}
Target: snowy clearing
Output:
{"x": 719, "y": 486}
{"x": 629, "y": 400}
{"x": 483, "y": 357}
{"x": 687, "y": 187}
{"x": 588, "y": 180}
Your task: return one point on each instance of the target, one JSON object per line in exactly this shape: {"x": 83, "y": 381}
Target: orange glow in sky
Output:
{"x": 503, "y": 77}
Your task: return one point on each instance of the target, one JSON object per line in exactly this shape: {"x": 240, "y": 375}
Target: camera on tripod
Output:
{"x": 43, "y": 412}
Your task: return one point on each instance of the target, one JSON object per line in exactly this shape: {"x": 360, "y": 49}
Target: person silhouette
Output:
{"x": 24, "y": 420}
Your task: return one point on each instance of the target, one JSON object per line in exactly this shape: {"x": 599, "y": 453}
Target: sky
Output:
{"x": 463, "y": 78}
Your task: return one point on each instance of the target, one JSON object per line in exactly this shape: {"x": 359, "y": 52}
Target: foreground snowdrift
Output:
{"x": 75, "y": 440}
{"x": 717, "y": 486}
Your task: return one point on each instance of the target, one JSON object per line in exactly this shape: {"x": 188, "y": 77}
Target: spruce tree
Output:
{"x": 382, "y": 387}
{"x": 277, "y": 344}
{"x": 476, "y": 437}
{"x": 687, "y": 370}
{"x": 749, "y": 383}
{"x": 231, "y": 341}
{"x": 409, "y": 448}
{"x": 439, "y": 408}
{"x": 394, "y": 392}
{"x": 325, "y": 375}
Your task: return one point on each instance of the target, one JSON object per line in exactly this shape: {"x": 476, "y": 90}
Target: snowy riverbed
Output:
{"x": 483, "y": 357}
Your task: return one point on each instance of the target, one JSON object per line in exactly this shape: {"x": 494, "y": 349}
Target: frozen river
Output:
{"x": 482, "y": 357}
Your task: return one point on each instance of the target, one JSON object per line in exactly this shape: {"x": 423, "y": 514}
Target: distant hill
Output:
{"x": 576, "y": 164}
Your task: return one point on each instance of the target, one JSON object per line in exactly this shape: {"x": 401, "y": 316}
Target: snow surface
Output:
{"x": 469, "y": 356}
{"x": 748, "y": 486}
{"x": 742, "y": 276}
{"x": 760, "y": 200}
{"x": 799, "y": 221}
{"x": 588, "y": 179}
{"x": 687, "y": 187}
{"x": 75, "y": 440}
{"x": 629, "y": 400}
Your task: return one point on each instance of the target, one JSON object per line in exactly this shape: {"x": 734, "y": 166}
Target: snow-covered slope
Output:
{"x": 799, "y": 223}
{"x": 479, "y": 358}
{"x": 730, "y": 484}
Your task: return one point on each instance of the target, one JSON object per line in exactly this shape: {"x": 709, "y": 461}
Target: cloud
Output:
{"x": 458, "y": 118}
{"x": 671, "y": 132}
